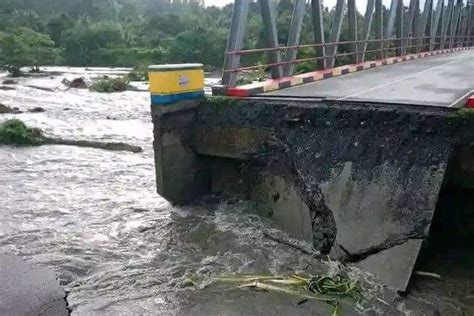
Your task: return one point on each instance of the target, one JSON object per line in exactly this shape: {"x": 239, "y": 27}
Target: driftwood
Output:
{"x": 40, "y": 88}
{"x": 93, "y": 144}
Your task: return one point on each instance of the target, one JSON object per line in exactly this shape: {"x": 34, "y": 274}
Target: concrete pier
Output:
{"x": 176, "y": 91}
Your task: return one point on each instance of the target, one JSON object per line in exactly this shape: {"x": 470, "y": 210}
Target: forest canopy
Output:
{"x": 129, "y": 32}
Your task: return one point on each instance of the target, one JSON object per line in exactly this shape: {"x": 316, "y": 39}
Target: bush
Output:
{"x": 106, "y": 84}
{"x": 15, "y": 132}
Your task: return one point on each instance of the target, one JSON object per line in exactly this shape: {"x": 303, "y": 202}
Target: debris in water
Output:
{"x": 15, "y": 132}
{"x": 428, "y": 274}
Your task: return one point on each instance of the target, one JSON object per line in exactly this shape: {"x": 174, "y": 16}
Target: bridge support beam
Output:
{"x": 435, "y": 30}
{"x": 235, "y": 41}
{"x": 353, "y": 31}
{"x": 368, "y": 18}
{"x": 335, "y": 33}
{"x": 422, "y": 26}
{"x": 399, "y": 28}
{"x": 271, "y": 36}
{"x": 470, "y": 26}
{"x": 389, "y": 28}
{"x": 454, "y": 25}
{"x": 379, "y": 28}
{"x": 294, "y": 37}
{"x": 447, "y": 18}
{"x": 408, "y": 27}
{"x": 463, "y": 26}
{"x": 318, "y": 30}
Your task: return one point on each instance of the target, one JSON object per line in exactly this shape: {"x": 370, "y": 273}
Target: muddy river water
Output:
{"x": 93, "y": 216}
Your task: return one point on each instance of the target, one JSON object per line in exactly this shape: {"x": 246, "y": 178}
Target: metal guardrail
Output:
{"x": 458, "y": 41}
{"x": 440, "y": 27}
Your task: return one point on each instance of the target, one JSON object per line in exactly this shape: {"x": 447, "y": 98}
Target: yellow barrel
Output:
{"x": 172, "y": 83}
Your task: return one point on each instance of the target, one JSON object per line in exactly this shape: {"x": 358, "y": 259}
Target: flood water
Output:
{"x": 93, "y": 216}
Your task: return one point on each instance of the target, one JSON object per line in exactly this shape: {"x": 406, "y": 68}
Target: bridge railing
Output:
{"x": 413, "y": 46}
{"x": 445, "y": 26}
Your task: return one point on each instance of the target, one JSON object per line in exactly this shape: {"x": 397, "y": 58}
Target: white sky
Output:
{"x": 361, "y": 4}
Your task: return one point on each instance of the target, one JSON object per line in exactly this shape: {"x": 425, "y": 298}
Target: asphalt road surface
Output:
{"x": 443, "y": 80}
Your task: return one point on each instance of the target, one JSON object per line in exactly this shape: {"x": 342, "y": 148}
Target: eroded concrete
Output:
{"x": 369, "y": 174}
{"x": 393, "y": 266}
{"x": 277, "y": 198}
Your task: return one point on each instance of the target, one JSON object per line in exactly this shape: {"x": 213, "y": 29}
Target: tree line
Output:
{"x": 130, "y": 32}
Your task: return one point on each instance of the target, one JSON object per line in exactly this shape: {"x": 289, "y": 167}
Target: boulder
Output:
{"x": 77, "y": 83}
{"x": 8, "y": 110}
{"x": 37, "y": 110}
{"x": 9, "y": 81}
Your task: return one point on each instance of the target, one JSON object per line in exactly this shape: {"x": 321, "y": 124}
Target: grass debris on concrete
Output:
{"x": 325, "y": 288}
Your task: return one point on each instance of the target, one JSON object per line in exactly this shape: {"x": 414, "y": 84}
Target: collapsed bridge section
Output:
{"x": 359, "y": 180}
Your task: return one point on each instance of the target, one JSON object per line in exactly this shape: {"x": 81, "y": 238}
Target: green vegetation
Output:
{"x": 25, "y": 47}
{"x": 464, "y": 115}
{"x": 136, "y": 33}
{"x": 15, "y": 132}
{"x": 106, "y": 84}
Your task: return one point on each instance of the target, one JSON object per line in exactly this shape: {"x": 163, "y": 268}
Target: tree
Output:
{"x": 25, "y": 47}
{"x": 86, "y": 38}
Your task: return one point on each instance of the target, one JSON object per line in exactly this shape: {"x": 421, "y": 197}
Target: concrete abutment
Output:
{"x": 359, "y": 180}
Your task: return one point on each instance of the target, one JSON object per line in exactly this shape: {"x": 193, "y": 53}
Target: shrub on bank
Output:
{"x": 15, "y": 132}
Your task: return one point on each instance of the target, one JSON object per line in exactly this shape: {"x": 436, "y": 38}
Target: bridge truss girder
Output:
{"x": 444, "y": 26}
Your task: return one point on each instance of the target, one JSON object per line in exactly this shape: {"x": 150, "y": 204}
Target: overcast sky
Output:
{"x": 328, "y": 3}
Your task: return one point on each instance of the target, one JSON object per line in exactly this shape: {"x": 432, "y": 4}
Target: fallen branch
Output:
{"x": 93, "y": 144}
{"x": 40, "y": 88}
{"x": 17, "y": 133}
{"x": 292, "y": 245}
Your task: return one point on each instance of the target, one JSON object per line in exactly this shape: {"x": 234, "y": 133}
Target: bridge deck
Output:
{"x": 443, "y": 80}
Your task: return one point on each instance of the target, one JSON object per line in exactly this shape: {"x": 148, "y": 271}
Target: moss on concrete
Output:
{"x": 219, "y": 101}
{"x": 464, "y": 115}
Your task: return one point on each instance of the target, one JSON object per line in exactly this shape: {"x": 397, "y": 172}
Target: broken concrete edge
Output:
{"x": 30, "y": 290}
{"x": 286, "y": 82}
{"x": 392, "y": 265}
{"x": 201, "y": 149}
{"x": 389, "y": 125}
